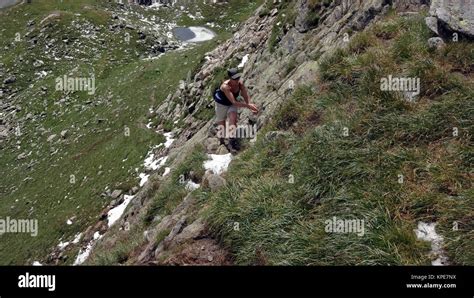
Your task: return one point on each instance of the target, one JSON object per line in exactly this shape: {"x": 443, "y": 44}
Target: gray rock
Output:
{"x": 274, "y": 135}
{"x": 38, "y": 63}
{"x": 64, "y": 133}
{"x": 10, "y": 80}
{"x": 192, "y": 231}
{"x": 3, "y": 131}
{"x": 135, "y": 189}
{"x": 222, "y": 150}
{"x": 51, "y": 138}
{"x": 211, "y": 144}
{"x": 435, "y": 42}
{"x": 116, "y": 193}
{"x": 21, "y": 156}
{"x": 214, "y": 181}
{"x": 457, "y": 16}
{"x": 432, "y": 23}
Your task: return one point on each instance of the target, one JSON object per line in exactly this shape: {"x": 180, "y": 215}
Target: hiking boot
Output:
{"x": 234, "y": 145}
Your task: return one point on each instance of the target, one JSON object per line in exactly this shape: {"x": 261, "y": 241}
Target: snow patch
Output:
{"x": 36, "y": 263}
{"x": 190, "y": 186}
{"x": 155, "y": 164}
{"x": 169, "y": 139}
{"x": 427, "y": 232}
{"x": 218, "y": 163}
{"x": 114, "y": 214}
{"x": 77, "y": 238}
{"x": 84, "y": 254}
{"x": 244, "y": 61}
{"x": 63, "y": 245}
{"x": 143, "y": 179}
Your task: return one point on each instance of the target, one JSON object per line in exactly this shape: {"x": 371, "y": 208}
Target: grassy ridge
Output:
{"x": 348, "y": 146}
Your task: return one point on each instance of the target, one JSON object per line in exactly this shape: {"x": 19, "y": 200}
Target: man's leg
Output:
{"x": 221, "y": 116}
{"x": 233, "y": 117}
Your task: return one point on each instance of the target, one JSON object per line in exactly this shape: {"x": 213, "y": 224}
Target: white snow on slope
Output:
{"x": 114, "y": 214}
{"x": 218, "y": 163}
{"x": 151, "y": 163}
{"x": 63, "y": 245}
{"x": 143, "y": 179}
{"x": 190, "y": 186}
{"x": 77, "y": 238}
{"x": 244, "y": 61}
{"x": 427, "y": 232}
{"x": 169, "y": 139}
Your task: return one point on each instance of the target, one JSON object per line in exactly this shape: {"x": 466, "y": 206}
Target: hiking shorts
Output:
{"x": 223, "y": 110}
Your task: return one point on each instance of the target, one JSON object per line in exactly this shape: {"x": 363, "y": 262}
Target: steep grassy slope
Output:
{"x": 356, "y": 152}
{"x": 97, "y": 151}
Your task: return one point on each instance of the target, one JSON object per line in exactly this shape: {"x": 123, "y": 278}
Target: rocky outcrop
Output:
{"x": 448, "y": 17}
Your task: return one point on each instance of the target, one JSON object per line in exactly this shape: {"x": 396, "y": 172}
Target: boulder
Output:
{"x": 64, "y": 133}
{"x": 452, "y": 16}
{"x": 435, "y": 42}
{"x": 116, "y": 193}
{"x": 222, "y": 150}
{"x": 10, "y": 80}
{"x": 51, "y": 138}
{"x": 213, "y": 181}
{"x": 211, "y": 144}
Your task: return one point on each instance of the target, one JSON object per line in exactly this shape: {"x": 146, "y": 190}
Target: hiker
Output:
{"x": 226, "y": 98}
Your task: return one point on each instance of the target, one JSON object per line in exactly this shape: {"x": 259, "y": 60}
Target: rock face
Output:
{"x": 452, "y": 16}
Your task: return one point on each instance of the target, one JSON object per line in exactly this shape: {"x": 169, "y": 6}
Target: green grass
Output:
{"x": 355, "y": 175}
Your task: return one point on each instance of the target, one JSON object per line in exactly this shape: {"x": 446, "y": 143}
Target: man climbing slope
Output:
{"x": 227, "y": 104}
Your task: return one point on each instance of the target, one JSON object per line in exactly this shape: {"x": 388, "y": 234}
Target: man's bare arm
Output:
{"x": 246, "y": 97}
{"x": 244, "y": 92}
{"x": 230, "y": 96}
